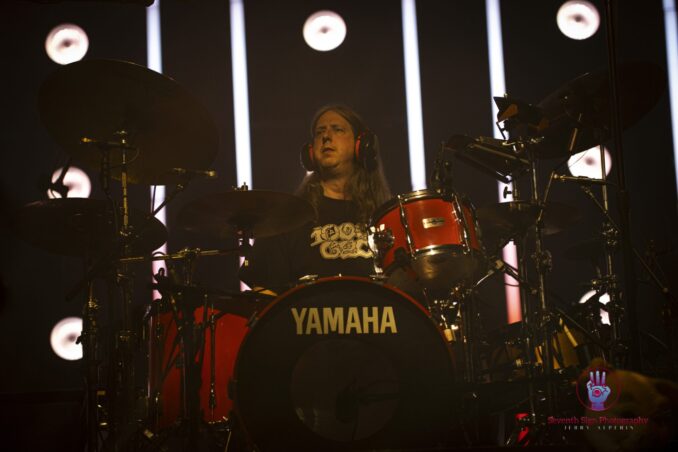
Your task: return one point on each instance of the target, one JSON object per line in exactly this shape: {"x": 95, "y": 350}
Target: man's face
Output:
{"x": 333, "y": 144}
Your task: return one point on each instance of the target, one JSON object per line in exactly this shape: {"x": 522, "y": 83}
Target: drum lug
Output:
{"x": 307, "y": 279}
{"x": 383, "y": 241}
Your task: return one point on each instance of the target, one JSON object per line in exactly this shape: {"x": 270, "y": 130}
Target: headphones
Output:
{"x": 365, "y": 152}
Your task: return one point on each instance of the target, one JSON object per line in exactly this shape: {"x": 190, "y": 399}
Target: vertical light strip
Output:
{"x": 154, "y": 59}
{"x": 415, "y": 122}
{"x": 498, "y": 88}
{"x": 241, "y": 109}
{"x": 241, "y": 101}
{"x": 671, "y": 31}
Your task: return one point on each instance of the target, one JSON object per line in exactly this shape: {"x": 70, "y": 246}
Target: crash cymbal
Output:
{"x": 94, "y": 99}
{"x": 585, "y": 103}
{"x": 261, "y": 212}
{"x": 82, "y": 227}
{"x": 505, "y": 221}
{"x": 489, "y": 155}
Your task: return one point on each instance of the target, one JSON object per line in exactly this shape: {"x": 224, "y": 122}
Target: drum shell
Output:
{"x": 276, "y": 368}
{"x": 438, "y": 233}
{"x": 165, "y": 381}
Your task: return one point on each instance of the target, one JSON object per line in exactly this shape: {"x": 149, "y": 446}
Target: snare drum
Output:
{"x": 343, "y": 363}
{"x": 165, "y": 383}
{"x": 435, "y": 235}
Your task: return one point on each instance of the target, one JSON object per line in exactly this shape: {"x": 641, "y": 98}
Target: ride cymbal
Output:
{"x": 583, "y": 104}
{"x": 165, "y": 126}
{"x": 260, "y": 212}
{"x": 505, "y": 221}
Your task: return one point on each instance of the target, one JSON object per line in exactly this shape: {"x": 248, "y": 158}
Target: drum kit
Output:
{"x": 396, "y": 360}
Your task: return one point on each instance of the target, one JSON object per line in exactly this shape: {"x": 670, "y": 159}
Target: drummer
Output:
{"x": 345, "y": 183}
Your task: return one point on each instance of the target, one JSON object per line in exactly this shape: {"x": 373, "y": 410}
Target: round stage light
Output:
{"x": 63, "y": 337}
{"x": 578, "y": 19}
{"x": 324, "y": 30}
{"x": 66, "y": 43}
{"x": 76, "y": 180}
{"x": 604, "y": 299}
{"x": 587, "y": 163}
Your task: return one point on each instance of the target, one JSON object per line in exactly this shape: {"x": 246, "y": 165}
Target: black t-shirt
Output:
{"x": 335, "y": 245}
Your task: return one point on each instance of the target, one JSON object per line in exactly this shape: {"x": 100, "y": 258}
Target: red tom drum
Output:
{"x": 165, "y": 383}
{"x": 432, "y": 234}
{"x": 343, "y": 363}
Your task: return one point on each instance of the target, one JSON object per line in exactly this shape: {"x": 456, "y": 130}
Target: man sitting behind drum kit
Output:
{"x": 345, "y": 185}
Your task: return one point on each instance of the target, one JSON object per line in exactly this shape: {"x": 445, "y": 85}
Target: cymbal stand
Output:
{"x": 535, "y": 330}
{"x": 121, "y": 390}
{"x": 183, "y": 302}
{"x": 629, "y": 282}
{"x": 190, "y": 371}
{"x": 543, "y": 265}
{"x": 618, "y": 349}
{"x": 88, "y": 339}
{"x": 611, "y": 233}
{"x": 126, "y": 337}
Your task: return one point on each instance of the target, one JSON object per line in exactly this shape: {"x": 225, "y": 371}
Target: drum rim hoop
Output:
{"x": 417, "y": 195}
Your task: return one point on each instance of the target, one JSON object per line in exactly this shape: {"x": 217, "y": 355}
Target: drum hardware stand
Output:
{"x": 126, "y": 338}
{"x": 122, "y": 394}
{"x": 213, "y": 359}
{"x": 88, "y": 339}
{"x": 538, "y": 332}
{"x": 508, "y": 120}
{"x": 629, "y": 283}
{"x": 187, "y": 336}
{"x": 611, "y": 233}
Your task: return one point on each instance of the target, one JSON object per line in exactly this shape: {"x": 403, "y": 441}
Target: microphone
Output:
{"x": 207, "y": 174}
{"x": 581, "y": 179}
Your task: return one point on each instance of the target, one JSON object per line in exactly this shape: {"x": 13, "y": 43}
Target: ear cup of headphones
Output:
{"x": 366, "y": 150}
{"x": 306, "y": 157}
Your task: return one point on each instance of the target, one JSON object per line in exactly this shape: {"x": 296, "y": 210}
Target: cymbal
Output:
{"x": 94, "y": 99}
{"x": 640, "y": 86}
{"x": 82, "y": 227}
{"x": 505, "y": 221}
{"x": 261, "y": 212}
{"x": 242, "y": 304}
{"x": 489, "y": 155}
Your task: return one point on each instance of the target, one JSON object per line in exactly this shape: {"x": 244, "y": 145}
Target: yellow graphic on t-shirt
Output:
{"x": 345, "y": 241}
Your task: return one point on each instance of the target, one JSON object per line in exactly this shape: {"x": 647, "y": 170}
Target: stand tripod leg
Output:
{"x": 89, "y": 340}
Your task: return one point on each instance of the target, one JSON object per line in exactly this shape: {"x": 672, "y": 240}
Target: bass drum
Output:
{"x": 344, "y": 363}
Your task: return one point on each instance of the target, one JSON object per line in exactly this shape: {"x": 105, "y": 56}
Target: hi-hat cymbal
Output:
{"x": 259, "y": 212}
{"x": 94, "y": 99}
{"x": 584, "y": 103}
{"x": 83, "y": 227}
{"x": 242, "y": 304}
{"x": 505, "y": 221}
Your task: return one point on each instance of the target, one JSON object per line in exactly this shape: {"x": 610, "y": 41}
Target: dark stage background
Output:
{"x": 287, "y": 82}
